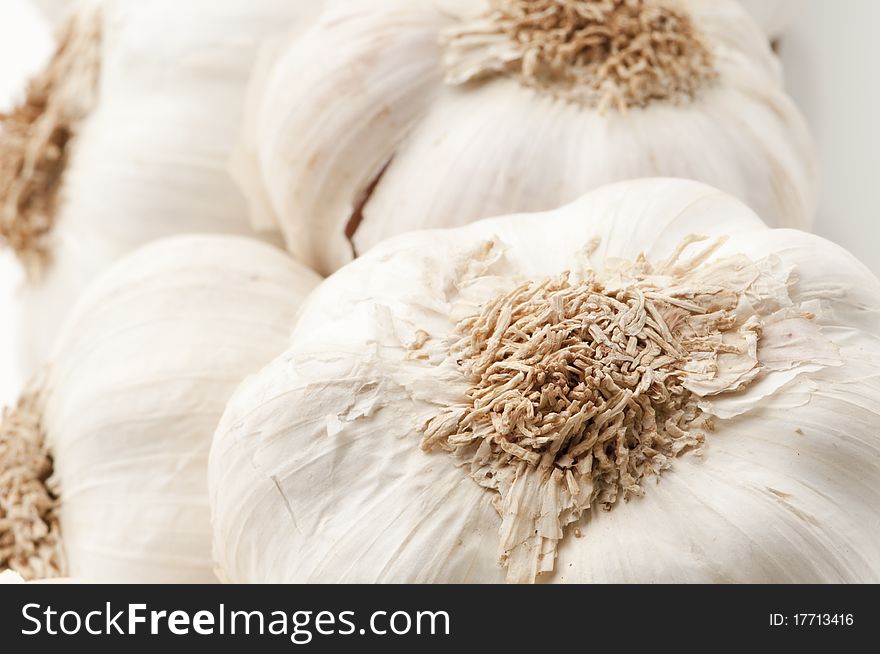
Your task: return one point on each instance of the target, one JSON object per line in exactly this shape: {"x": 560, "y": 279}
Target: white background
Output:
{"x": 831, "y": 61}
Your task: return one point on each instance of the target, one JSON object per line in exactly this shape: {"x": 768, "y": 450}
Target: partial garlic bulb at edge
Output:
{"x": 129, "y": 403}
{"x": 125, "y": 138}
{"x": 393, "y": 115}
{"x": 318, "y": 473}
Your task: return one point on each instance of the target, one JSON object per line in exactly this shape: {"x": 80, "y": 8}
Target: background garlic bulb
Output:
{"x": 128, "y": 406}
{"x": 452, "y": 408}
{"x": 394, "y": 115}
{"x": 125, "y": 139}
{"x": 772, "y": 15}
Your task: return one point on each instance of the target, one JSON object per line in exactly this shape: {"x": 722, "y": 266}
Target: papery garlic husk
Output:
{"x": 387, "y": 116}
{"x": 349, "y": 457}
{"x": 125, "y": 139}
{"x": 773, "y": 16}
{"x": 124, "y": 414}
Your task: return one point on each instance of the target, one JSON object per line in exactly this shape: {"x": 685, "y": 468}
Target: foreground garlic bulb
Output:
{"x": 393, "y": 115}
{"x": 459, "y": 406}
{"x": 124, "y": 139}
{"x": 128, "y": 406}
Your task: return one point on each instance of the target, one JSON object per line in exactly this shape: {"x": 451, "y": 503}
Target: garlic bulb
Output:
{"x": 128, "y": 405}
{"x": 772, "y": 15}
{"x": 393, "y": 115}
{"x": 459, "y": 405}
{"x": 125, "y": 138}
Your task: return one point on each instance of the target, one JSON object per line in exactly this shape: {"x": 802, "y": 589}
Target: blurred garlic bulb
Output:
{"x": 457, "y": 406}
{"x": 393, "y": 115}
{"x": 772, "y": 15}
{"x": 124, "y": 139}
{"x": 127, "y": 407}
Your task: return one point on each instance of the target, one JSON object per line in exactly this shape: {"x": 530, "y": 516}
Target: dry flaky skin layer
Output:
{"x": 604, "y": 53}
{"x": 30, "y": 543}
{"x": 579, "y": 389}
{"x": 35, "y": 139}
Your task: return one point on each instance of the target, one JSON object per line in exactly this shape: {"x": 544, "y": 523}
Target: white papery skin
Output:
{"x": 774, "y": 16}
{"x": 54, "y": 10}
{"x": 316, "y": 472}
{"x": 151, "y": 161}
{"x": 136, "y": 386}
{"x": 364, "y": 86}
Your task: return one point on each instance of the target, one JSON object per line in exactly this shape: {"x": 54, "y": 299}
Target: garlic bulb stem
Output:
{"x": 579, "y": 390}
{"x": 602, "y": 53}
{"x": 30, "y": 543}
{"x": 35, "y": 137}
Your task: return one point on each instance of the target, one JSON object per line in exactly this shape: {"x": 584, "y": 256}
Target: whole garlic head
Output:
{"x": 461, "y": 405}
{"x": 392, "y": 115}
{"x": 124, "y": 414}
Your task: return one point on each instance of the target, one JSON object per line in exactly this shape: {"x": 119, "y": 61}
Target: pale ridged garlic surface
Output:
{"x": 462, "y": 405}
{"x": 392, "y": 115}
{"x": 125, "y": 139}
{"x": 124, "y": 414}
